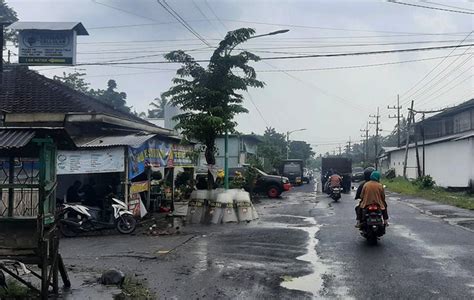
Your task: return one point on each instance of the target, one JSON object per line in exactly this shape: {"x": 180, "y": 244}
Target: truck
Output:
{"x": 293, "y": 170}
{"x": 339, "y": 165}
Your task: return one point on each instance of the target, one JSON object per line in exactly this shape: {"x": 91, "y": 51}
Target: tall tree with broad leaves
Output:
{"x": 8, "y": 15}
{"x": 158, "y": 107}
{"x": 209, "y": 96}
{"x": 75, "y": 81}
{"x": 112, "y": 97}
{"x": 301, "y": 150}
{"x": 273, "y": 148}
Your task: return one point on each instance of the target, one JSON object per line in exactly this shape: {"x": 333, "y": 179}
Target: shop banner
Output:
{"x": 157, "y": 154}
{"x": 90, "y": 161}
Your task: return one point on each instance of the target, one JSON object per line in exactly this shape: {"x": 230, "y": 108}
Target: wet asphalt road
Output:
{"x": 304, "y": 246}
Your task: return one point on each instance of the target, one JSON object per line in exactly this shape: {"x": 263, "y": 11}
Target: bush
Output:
{"x": 390, "y": 174}
{"x": 425, "y": 182}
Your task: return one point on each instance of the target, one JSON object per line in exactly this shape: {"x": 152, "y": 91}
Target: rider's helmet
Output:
{"x": 367, "y": 172}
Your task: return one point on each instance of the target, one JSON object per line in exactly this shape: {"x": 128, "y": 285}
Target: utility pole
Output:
{"x": 366, "y": 144}
{"x": 397, "y": 116}
{"x": 377, "y": 130}
{"x": 423, "y": 137}
{"x": 340, "y": 150}
{"x": 348, "y": 146}
{"x": 410, "y": 113}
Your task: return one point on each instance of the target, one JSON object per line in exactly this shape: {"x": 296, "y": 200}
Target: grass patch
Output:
{"x": 133, "y": 289}
{"x": 403, "y": 186}
{"x": 16, "y": 290}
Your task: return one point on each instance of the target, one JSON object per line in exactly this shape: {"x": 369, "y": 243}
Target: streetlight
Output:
{"x": 226, "y": 139}
{"x": 288, "y": 140}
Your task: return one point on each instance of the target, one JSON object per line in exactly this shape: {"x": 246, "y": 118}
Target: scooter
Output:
{"x": 78, "y": 218}
{"x": 336, "y": 193}
{"x": 372, "y": 226}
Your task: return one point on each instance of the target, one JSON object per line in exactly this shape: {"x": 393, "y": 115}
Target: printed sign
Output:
{"x": 90, "y": 161}
{"x": 156, "y": 153}
{"x": 47, "y": 47}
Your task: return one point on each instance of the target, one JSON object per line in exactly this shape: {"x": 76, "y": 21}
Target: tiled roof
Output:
{"x": 26, "y": 91}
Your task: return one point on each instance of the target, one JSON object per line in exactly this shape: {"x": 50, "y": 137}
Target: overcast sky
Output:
{"x": 333, "y": 103}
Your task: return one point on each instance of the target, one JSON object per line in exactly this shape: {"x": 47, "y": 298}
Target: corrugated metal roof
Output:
{"x": 76, "y": 26}
{"x": 15, "y": 138}
{"x": 109, "y": 141}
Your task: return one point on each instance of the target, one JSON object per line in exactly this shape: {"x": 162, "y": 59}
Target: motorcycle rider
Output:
{"x": 335, "y": 180}
{"x": 373, "y": 193}
{"x": 367, "y": 172}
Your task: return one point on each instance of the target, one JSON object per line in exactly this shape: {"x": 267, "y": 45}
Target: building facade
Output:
{"x": 445, "y": 148}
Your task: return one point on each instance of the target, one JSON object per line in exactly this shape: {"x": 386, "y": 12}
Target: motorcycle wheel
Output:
{"x": 67, "y": 231}
{"x": 372, "y": 239}
{"x": 126, "y": 224}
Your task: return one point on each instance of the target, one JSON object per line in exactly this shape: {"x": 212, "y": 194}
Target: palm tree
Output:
{"x": 158, "y": 107}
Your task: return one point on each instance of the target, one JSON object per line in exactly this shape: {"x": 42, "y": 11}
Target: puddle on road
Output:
{"x": 311, "y": 283}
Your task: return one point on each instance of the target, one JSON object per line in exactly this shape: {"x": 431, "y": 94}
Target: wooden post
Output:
{"x": 126, "y": 178}
{"x": 408, "y": 140}
{"x": 423, "y": 137}
{"x": 11, "y": 190}
{"x": 418, "y": 168}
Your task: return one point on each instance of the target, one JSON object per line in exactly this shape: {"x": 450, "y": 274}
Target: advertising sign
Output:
{"x": 91, "y": 161}
{"x": 156, "y": 153}
{"x": 47, "y": 47}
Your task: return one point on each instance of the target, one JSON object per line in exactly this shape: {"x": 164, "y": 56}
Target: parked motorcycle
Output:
{"x": 372, "y": 226}
{"x": 336, "y": 193}
{"x": 77, "y": 218}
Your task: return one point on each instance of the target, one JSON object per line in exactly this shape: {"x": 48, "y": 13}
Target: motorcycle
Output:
{"x": 336, "y": 193}
{"x": 372, "y": 226}
{"x": 78, "y": 218}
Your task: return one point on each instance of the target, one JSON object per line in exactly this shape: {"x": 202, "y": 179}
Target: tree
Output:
{"x": 301, "y": 150}
{"x": 111, "y": 97}
{"x": 8, "y": 15}
{"x": 158, "y": 110}
{"x": 273, "y": 148}
{"x": 75, "y": 81}
{"x": 210, "y": 96}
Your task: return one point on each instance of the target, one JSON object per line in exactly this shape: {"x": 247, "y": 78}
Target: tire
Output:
{"x": 126, "y": 224}
{"x": 372, "y": 239}
{"x": 273, "y": 192}
{"x": 67, "y": 231}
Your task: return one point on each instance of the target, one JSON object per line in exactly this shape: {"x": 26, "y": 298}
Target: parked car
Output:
{"x": 270, "y": 185}
{"x": 357, "y": 174}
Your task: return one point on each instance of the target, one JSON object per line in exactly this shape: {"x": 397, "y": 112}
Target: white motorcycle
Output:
{"x": 78, "y": 218}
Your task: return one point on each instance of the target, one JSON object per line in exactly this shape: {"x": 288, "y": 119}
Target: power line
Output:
{"x": 323, "y": 28}
{"x": 434, "y": 68}
{"x": 445, "y": 5}
{"x": 430, "y": 7}
{"x": 183, "y": 22}
{"x": 205, "y": 17}
{"x": 299, "y": 56}
{"x": 258, "y": 110}
{"x": 417, "y": 95}
{"x": 123, "y": 10}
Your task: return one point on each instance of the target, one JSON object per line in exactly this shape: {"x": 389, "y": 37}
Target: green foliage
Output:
{"x": 403, "y": 186}
{"x": 112, "y": 97}
{"x": 425, "y": 182}
{"x": 8, "y": 15}
{"x": 273, "y": 147}
{"x": 158, "y": 107}
{"x": 209, "y": 96}
{"x": 390, "y": 174}
{"x": 133, "y": 289}
{"x": 300, "y": 150}
{"x": 16, "y": 290}
{"x": 75, "y": 81}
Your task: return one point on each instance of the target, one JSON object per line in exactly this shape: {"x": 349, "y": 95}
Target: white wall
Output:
{"x": 451, "y": 164}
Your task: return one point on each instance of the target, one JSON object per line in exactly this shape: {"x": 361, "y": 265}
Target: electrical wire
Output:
{"x": 325, "y": 28}
{"x": 431, "y": 71}
{"x": 417, "y": 95}
{"x": 183, "y": 22}
{"x": 430, "y": 7}
{"x": 445, "y": 5}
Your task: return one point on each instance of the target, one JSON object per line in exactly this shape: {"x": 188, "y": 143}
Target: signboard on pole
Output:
{"x": 47, "y": 47}
{"x": 48, "y": 43}
{"x": 91, "y": 161}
